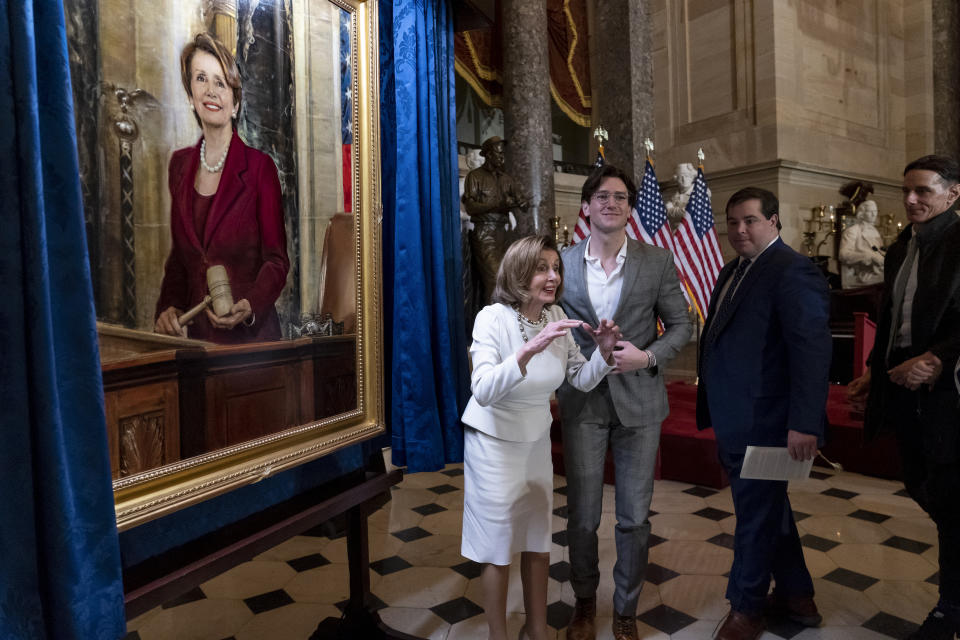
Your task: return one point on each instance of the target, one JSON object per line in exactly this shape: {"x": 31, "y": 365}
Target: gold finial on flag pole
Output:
{"x": 700, "y": 156}
{"x": 601, "y": 134}
{"x": 648, "y": 145}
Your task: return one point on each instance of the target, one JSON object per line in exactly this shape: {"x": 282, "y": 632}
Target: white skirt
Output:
{"x": 508, "y": 497}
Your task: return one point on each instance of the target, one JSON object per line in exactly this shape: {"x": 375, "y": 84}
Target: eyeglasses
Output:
{"x": 603, "y": 197}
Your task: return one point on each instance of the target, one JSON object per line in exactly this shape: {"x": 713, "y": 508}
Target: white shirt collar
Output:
{"x": 754, "y": 258}
{"x": 621, "y": 254}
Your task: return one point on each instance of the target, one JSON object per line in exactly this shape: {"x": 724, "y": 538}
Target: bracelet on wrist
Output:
{"x": 651, "y": 359}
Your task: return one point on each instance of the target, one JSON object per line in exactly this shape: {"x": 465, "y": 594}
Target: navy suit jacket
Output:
{"x": 766, "y": 371}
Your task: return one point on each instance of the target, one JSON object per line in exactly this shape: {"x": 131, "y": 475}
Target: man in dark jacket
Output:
{"x": 909, "y": 387}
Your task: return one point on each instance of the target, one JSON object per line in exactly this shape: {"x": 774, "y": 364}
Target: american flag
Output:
{"x": 648, "y": 221}
{"x": 346, "y": 113}
{"x": 697, "y": 249}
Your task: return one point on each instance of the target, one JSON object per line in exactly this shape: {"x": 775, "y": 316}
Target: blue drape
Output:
{"x": 60, "y": 574}
{"x": 421, "y": 246}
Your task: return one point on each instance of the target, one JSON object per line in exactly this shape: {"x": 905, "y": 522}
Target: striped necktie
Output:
{"x": 724, "y": 308}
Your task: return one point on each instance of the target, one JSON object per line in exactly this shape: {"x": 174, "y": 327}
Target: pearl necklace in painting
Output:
{"x": 522, "y": 318}
{"x": 203, "y": 158}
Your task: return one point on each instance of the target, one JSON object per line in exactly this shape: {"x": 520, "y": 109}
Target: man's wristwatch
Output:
{"x": 651, "y": 359}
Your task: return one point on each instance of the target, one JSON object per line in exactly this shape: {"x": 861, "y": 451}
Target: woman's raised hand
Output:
{"x": 605, "y": 335}
{"x": 542, "y": 340}
{"x": 549, "y": 333}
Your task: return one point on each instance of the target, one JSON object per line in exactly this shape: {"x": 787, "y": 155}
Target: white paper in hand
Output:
{"x": 773, "y": 463}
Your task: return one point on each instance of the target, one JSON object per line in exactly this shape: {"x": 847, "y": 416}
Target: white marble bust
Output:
{"x": 861, "y": 249}
{"x": 685, "y": 175}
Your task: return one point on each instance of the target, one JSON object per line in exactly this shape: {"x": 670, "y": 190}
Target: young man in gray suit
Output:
{"x": 611, "y": 276}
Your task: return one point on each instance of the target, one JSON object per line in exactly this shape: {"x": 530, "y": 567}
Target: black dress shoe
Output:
{"x": 799, "y": 609}
{"x": 740, "y": 626}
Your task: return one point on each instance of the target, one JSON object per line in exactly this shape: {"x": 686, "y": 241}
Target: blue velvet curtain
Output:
{"x": 423, "y": 301}
{"x": 61, "y": 566}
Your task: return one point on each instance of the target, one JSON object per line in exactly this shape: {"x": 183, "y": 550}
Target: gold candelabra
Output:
{"x": 821, "y": 222}
{"x": 889, "y": 229}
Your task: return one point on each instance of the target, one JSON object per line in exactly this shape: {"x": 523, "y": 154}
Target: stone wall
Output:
{"x": 798, "y": 96}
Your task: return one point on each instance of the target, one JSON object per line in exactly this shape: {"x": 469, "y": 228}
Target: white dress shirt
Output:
{"x": 604, "y": 290}
{"x": 753, "y": 261}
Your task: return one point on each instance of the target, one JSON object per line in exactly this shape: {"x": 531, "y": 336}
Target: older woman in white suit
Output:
{"x": 522, "y": 351}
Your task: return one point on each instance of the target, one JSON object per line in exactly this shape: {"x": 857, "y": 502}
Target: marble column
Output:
{"x": 622, "y": 80}
{"x": 526, "y": 109}
{"x": 946, "y": 77}
{"x": 83, "y": 42}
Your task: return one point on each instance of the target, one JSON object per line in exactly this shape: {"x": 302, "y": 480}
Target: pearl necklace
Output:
{"x": 522, "y": 318}
{"x": 203, "y": 158}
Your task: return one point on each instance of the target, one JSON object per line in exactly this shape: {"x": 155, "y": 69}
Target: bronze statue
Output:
{"x": 489, "y": 195}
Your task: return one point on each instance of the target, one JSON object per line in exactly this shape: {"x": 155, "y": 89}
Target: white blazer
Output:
{"x": 505, "y": 403}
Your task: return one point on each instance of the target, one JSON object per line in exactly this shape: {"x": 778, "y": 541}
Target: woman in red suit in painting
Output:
{"x": 226, "y": 210}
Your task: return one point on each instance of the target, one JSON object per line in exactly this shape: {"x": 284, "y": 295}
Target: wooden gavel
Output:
{"x": 220, "y": 296}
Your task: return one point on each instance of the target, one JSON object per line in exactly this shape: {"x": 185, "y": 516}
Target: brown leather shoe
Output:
{"x": 800, "y": 609}
{"x": 740, "y": 626}
{"x": 582, "y": 626}
{"x": 624, "y": 627}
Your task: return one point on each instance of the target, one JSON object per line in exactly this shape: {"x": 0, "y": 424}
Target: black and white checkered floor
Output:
{"x": 871, "y": 550}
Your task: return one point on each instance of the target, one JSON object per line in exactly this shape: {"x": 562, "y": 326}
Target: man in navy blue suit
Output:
{"x": 763, "y": 365}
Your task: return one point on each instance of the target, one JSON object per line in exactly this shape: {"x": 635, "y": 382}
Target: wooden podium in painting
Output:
{"x": 173, "y": 398}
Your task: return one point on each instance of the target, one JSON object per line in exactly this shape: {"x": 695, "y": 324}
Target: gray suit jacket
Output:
{"x": 650, "y": 289}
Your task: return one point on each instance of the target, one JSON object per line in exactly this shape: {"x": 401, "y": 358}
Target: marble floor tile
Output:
{"x": 692, "y": 557}
{"x": 810, "y": 485}
{"x": 841, "y": 530}
{"x": 817, "y": 504}
{"x": 905, "y": 599}
{"x": 476, "y": 628}
{"x": 879, "y": 561}
{"x": 842, "y": 606}
{"x": 249, "y": 579}
{"x": 394, "y": 517}
{"x": 608, "y": 525}
{"x": 701, "y": 597}
{"x": 422, "y": 623}
{"x": 722, "y": 500}
{"x": 324, "y": 585}
{"x": 670, "y": 486}
{"x": 684, "y": 526}
{"x": 676, "y": 502}
{"x": 818, "y": 563}
{"x": 382, "y": 545}
{"x": 840, "y": 633}
{"x": 420, "y": 587}
{"x": 871, "y": 539}
{"x": 448, "y": 522}
{"x": 433, "y": 551}
{"x": 919, "y": 528}
{"x": 208, "y": 619}
{"x": 296, "y": 620}
{"x": 889, "y": 504}
{"x": 295, "y": 547}
{"x": 864, "y": 484}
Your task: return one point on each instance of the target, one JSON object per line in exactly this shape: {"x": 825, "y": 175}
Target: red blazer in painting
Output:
{"x": 244, "y": 232}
